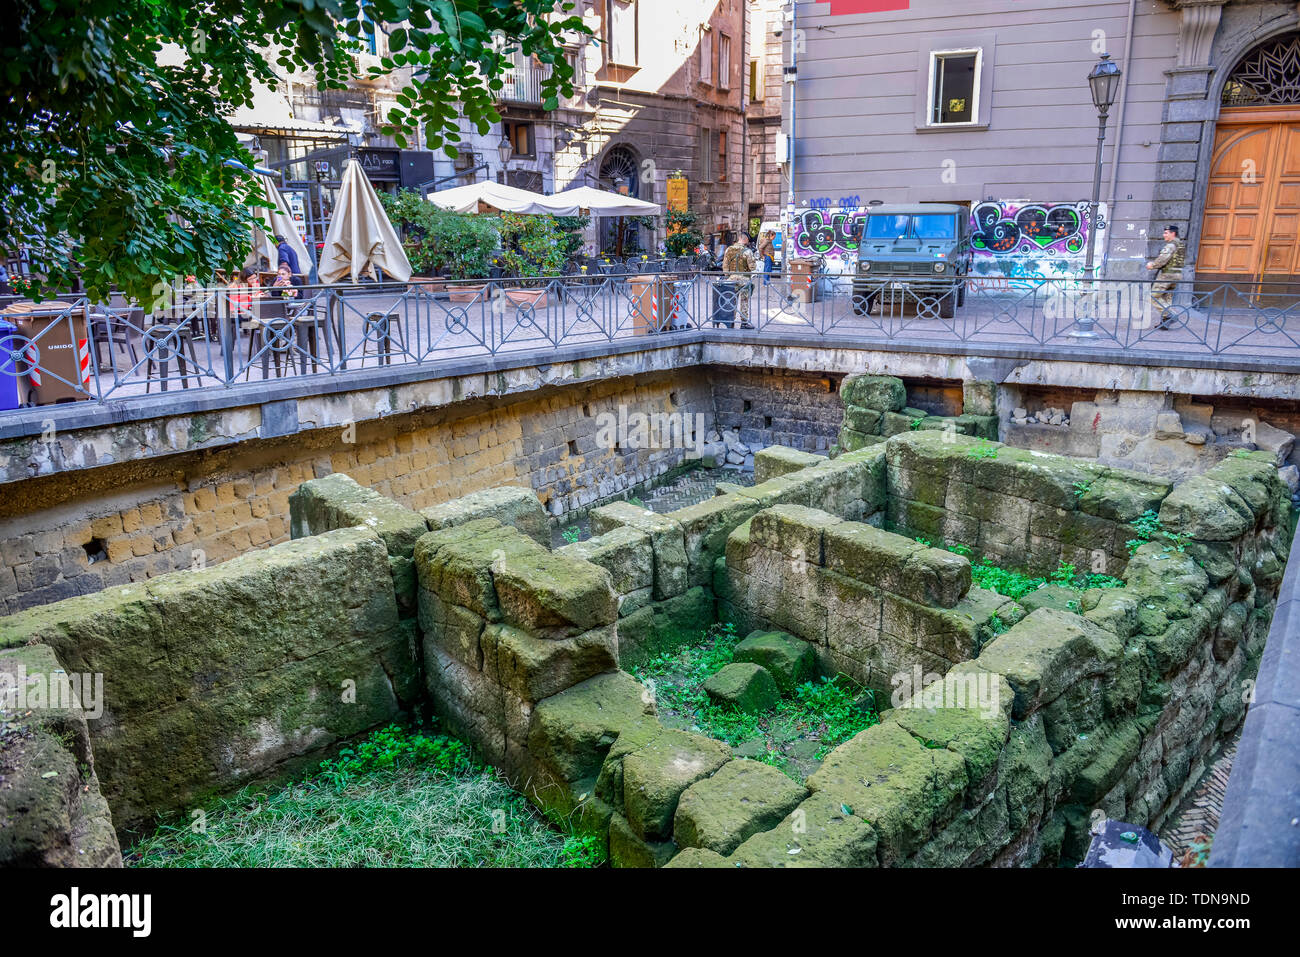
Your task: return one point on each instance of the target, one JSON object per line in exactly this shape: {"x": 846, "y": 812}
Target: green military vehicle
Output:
{"x": 917, "y": 251}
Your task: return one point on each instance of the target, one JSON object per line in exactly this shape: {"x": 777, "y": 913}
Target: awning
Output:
{"x": 599, "y": 202}
{"x": 508, "y": 199}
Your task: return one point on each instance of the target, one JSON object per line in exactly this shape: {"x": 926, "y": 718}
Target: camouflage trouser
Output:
{"x": 1162, "y": 295}
{"x": 743, "y": 290}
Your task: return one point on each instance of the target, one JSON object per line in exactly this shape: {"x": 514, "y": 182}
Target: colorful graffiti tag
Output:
{"x": 825, "y": 232}
{"x": 1015, "y": 240}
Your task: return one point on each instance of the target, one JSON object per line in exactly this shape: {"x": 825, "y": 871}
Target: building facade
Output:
{"x": 987, "y": 105}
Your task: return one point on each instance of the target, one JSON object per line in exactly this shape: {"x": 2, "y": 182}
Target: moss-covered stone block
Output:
{"x": 667, "y": 540}
{"x": 903, "y": 789}
{"x": 705, "y": 527}
{"x": 696, "y": 857}
{"x": 822, "y": 831}
{"x": 510, "y": 505}
{"x": 740, "y": 799}
{"x": 627, "y": 849}
{"x": 624, "y": 552}
{"x": 883, "y": 392}
{"x": 52, "y": 813}
{"x": 337, "y": 501}
{"x": 553, "y": 595}
{"x": 861, "y": 420}
{"x": 744, "y": 686}
{"x": 792, "y": 530}
{"x": 1122, "y": 496}
{"x": 572, "y": 732}
{"x": 1046, "y": 653}
{"x": 777, "y": 460}
{"x": 789, "y": 660}
{"x": 1207, "y": 509}
{"x": 655, "y": 776}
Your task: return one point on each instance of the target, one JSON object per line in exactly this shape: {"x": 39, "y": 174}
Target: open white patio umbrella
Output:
{"x": 281, "y": 223}
{"x": 360, "y": 235}
{"x": 599, "y": 202}
{"x": 508, "y": 199}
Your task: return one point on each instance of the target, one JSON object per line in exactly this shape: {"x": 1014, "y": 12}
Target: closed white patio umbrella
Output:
{"x": 360, "y": 235}
{"x": 472, "y": 197}
{"x": 279, "y": 221}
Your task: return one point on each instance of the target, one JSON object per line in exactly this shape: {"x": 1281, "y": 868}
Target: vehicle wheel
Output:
{"x": 948, "y": 304}
{"x": 861, "y": 304}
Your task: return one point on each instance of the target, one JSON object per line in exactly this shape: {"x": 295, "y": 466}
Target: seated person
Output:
{"x": 285, "y": 282}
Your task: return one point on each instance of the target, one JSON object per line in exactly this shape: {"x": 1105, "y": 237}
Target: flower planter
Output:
{"x": 465, "y": 293}
{"x": 527, "y": 297}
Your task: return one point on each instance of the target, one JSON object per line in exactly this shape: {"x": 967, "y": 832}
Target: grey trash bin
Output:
{"x": 725, "y": 292}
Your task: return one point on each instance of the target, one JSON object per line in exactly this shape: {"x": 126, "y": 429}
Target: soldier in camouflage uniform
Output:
{"x": 1170, "y": 269}
{"x": 738, "y": 263}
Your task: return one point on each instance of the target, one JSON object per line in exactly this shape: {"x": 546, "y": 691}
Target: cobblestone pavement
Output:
{"x": 1199, "y": 813}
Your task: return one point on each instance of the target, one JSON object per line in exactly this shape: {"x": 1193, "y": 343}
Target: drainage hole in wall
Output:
{"x": 95, "y": 551}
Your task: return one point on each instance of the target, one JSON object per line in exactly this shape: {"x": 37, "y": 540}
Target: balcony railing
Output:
{"x": 523, "y": 82}
{"x": 71, "y": 349}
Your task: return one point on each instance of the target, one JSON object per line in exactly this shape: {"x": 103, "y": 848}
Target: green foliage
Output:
{"x": 571, "y": 228}
{"x": 1012, "y": 584}
{"x": 923, "y": 540}
{"x": 965, "y": 551}
{"x": 115, "y": 157}
{"x": 983, "y": 449}
{"x": 1081, "y": 488}
{"x": 915, "y": 424}
{"x": 571, "y": 534}
{"x": 684, "y": 235}
{"x": 1064, "y": 574}
{"x": 829, "y": 710}
{"x": 1102, "y": 581}
{"x": 1149, "y": 528}
{"x": 531, "y": 245}
{"x": 400, "y": 798}
{"x": 440, "y": 242}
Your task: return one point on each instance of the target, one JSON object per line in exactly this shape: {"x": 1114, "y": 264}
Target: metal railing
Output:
{"x": 213, "y": 338}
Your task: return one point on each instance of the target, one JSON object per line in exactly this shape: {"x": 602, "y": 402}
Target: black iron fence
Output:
{"x": 71, "y": 349}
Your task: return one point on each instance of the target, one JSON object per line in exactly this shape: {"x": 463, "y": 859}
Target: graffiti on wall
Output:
{"x": 1019, "y": 240}
{"x": 1012, "y": 239}
{"x": 828, "y": 232}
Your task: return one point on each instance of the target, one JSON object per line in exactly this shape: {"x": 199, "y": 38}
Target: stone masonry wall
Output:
{"x": 1023, "y": 509}
{"x": 1065, "y": 717}
{"x": 217, "y": 676}
{"x": 872, "y": 604}
{"x": 77, "y": 533}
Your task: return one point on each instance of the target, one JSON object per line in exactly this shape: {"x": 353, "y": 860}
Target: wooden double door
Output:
{"x": 1251, "y": 228}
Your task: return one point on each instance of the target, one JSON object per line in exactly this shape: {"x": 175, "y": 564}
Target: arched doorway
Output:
{"x": 1251, "y": 226}
{"x": 620, "y": 172}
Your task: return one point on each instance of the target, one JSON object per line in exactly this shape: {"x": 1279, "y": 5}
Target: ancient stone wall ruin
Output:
{"x": 1101, "y": 702}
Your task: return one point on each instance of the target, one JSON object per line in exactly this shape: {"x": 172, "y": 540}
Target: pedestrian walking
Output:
{"x": 1169, "y": 269}
{"x": 738, "y": 262}
{"x": 767, "y": 252}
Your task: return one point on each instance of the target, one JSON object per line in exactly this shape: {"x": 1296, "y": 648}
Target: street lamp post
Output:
{"x": 1104, "y": 82}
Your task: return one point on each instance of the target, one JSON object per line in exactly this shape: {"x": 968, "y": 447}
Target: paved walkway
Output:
{"x": 1198, "y": 816}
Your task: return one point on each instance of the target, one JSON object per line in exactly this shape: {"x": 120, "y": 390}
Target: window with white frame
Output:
{"x": 724, "y": 62}
{"x": 706, "y": 57}
{"x": 954, "y": 87}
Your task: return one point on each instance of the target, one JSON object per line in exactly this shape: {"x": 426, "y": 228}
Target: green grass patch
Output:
{"x": 400, "y": 798}
{"x": 794, "y": 736}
